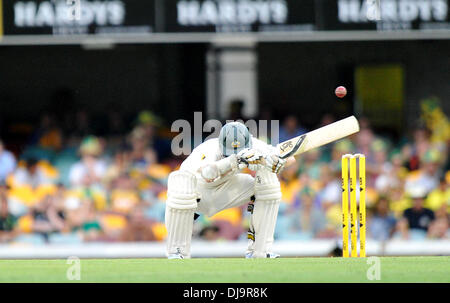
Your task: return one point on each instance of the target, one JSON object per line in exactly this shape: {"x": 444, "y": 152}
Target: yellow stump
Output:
{"x": 344, "y": 168}
{"x": 353, "y": 211}
{"x": 362, "y": 206}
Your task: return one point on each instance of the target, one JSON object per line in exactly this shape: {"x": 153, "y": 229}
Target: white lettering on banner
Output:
{"x": 56, "y": 13}
{"x": 74, "y": 9}
{"x": 194, "y": 13}
{"x": 45, "y": 15}
{"x": 351, "y": 11}
{"x": 373, "y": 10}
{"x": 355, "y": 11}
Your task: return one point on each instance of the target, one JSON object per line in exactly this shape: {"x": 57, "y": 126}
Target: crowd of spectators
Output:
{"x": 78, "y": 187}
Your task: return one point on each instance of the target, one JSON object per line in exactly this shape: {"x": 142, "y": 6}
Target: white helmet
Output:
{"x": 233, "y": 138}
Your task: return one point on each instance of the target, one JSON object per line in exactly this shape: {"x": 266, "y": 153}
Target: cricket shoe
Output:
{"x": 175, "y": 256}
{"x": 270, "y": 255}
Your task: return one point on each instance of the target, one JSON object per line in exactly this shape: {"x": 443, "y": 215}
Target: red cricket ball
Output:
{"x": 340, "y": 92}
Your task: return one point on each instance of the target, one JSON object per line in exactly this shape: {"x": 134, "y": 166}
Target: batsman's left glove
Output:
{"x": 251, "y": 158}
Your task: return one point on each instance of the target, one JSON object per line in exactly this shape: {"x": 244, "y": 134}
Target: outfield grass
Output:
{"x": 393, "y": 269}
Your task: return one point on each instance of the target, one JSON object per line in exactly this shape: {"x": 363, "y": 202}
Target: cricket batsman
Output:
{"x": 210, "y": 180}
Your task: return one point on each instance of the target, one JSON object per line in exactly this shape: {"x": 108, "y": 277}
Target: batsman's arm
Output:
{"x": 212, "y": 171}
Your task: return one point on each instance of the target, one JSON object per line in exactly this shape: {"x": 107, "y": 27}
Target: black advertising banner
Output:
{"x": 304, "y": 15}
{"x": 395, "y": 15}
{"x": 109, "y": 17}
{"x": 239, "y": 15}
{"x": 78, "y": 17}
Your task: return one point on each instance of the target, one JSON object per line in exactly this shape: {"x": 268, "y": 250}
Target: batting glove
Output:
{"x": 251, "y": 158}
{"x": 274, "y": 163}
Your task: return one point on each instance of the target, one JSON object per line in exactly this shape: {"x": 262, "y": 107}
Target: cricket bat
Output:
{"x": 316, "y": 138}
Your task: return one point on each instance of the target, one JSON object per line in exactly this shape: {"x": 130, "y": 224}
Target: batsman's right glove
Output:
{"x": 274, "y": 163}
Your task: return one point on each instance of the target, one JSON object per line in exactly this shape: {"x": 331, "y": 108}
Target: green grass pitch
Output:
{"x": 393, "y": 269}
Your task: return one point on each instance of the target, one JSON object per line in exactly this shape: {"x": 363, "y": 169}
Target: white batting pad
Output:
{"x": 179, "y": 217}
{"x": 265, "y": 212}
{"x": 182, "y": 190}
{"x": 179, "y": 225}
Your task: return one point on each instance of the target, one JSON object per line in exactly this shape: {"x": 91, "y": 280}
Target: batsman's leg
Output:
{"x": 179, "y": 217}
{"x": 264, "y": 216}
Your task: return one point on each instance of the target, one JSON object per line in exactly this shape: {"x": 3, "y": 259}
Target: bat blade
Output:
{"x": 316, "y": 138}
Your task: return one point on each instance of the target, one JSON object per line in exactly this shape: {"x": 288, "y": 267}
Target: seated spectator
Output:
{"x": 330, "y": 194}
{"x": 381, "y": 225}
{"x": 112, "y": 224}
{"x": 150, "y": 174}
{"x": 290, "y": 129}
{"x": 310, "y": 164}
{"x": 380, "y": 164}
{"x": 398, "y": 201}
{"x": 228, "y": 230}
{"x": 427, "y": 176}
{"x": 75, "y": 210}
{"x": 150, "y": 156}
{"x": 138, "y": 228}
{"x": 7, "y": 163}
{"x": 139, "y": 143}
{"x": 34, "y": 173}
{"x": 91, "y": 228}
{"x": 364, "y": 140}
{"x": 340, "y": 148}
{"x": 413, "y": 153}
{"x": 7, "y": 220}
{"x": 229, "y": 223}
{"x": 417, "y": 219}
{"x": 290, "y": 183}
{"x": 29, "y": 184}
{"x": 392, "y": 175}
{"x": 308, "y": 221}
{"x": 155, "y": 206}
{"x": 151, "y": 125}
{"x": 210, "y": 233}
{"x": 439, "y": 197}
{"x": 90, "y": 169}
{"x": 46, "y": 217}
{"x": 124, "y": 196}
{"x": 440, "y": 227}
{"x": 48, "y": 135}
{"x": 120, "y": 165}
